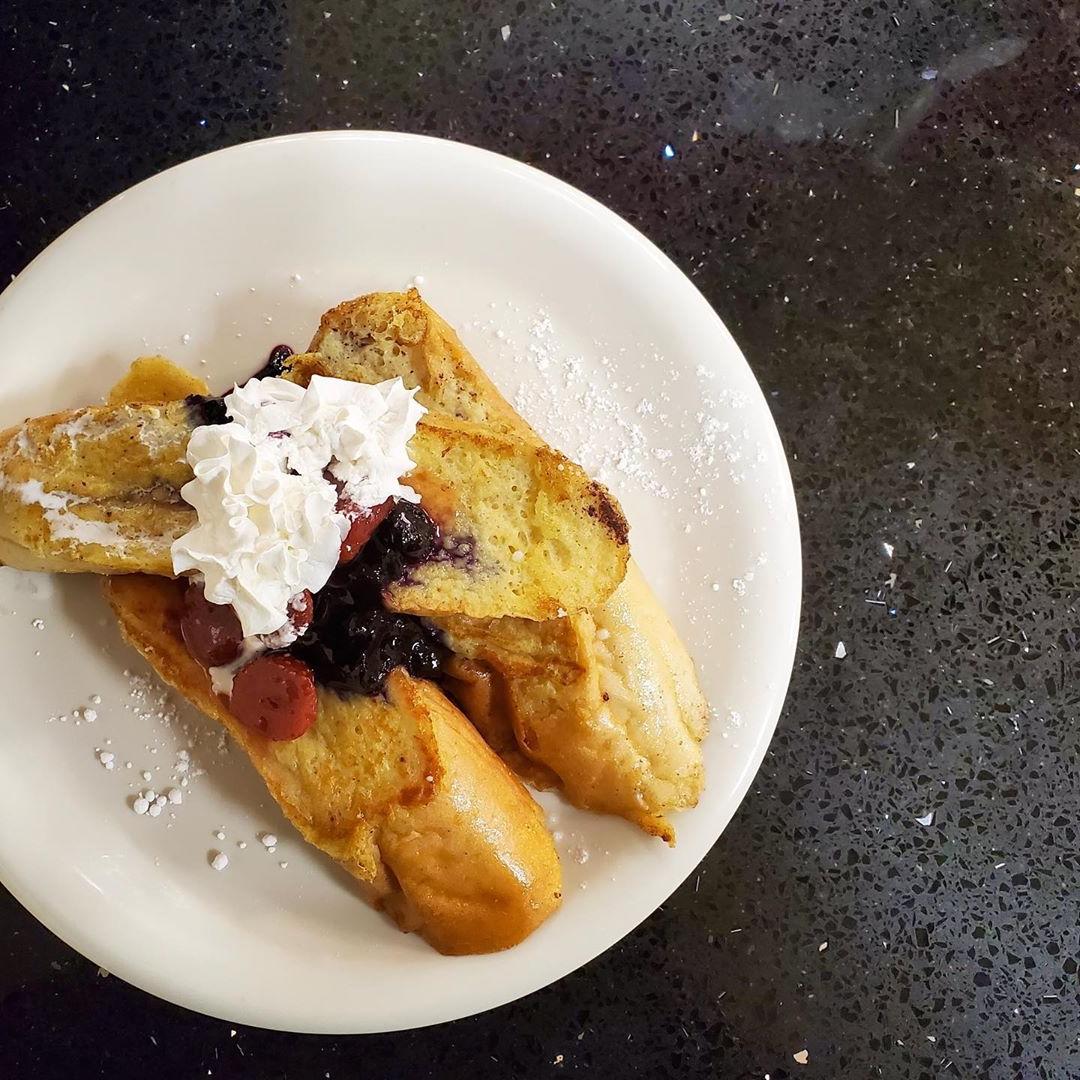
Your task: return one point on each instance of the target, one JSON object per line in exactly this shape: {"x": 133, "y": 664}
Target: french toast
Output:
{"x": 606, "y": 700}
{"x": 398, "y": 788}
{"x": 97, "y": 489}
{"x": 94, "y": 489}
{"x": 538, "y": 626}
{"x": 604, "y": 703}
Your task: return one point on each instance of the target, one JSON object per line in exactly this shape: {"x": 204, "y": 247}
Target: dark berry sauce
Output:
{"x": 211, "y": 410}
{"x": 206, "y": 410}
{"x": 275, "y": 365}
{"x": 353, "y": 642}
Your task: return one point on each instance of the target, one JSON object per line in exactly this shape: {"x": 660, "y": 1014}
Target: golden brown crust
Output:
{"x": 397, "y": 789}
{"x": 475, "y": 864}
{"x": 382, "y": 785}
{"x": 95, "y": 489}
{"x": 606, "y": 703}
{"x": 28, "y": 540}
{"x": 98, "y": 489}
{"x": 483, "y": 694}
{"x": 155, "y": 378}
{"x": 411, "y": 341}
{"x": 608, "y": 512}
{"x": 537, "y": 691}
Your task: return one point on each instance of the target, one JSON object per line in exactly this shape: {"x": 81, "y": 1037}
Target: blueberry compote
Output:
{"x": 275, "y": 365}
{"x": 353, "y": 642}
{"x": 211, "y": 410}
{"x": 206, "y": 410}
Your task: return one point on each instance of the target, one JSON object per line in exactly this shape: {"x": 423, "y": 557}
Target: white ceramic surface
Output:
{"x": 599, "y": 339}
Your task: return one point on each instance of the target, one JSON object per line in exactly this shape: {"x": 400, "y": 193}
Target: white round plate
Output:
{"x": 598, "y": 339}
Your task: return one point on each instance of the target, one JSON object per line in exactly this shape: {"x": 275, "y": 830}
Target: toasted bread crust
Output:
{"x": 398, "y": 789}
{"x": 98, "y": 489}
{"x": 605, "y": 703}
{"x": 391, "y": 335}
{"x": 561, "y": 703}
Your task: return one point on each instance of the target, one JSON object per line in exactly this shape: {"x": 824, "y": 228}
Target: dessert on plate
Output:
{"x": 603, "y": 703}
{"x": 396, "y": 598}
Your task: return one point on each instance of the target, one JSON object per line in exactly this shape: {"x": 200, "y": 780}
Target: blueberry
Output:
{"x": 425, "y": 659}
{"x": 410, "y": 531}
{"x": 353, "y": 642}
{"x": 275, "y": 365}
{"x": 206, "y": 410}
{"x": 392, "y": 568}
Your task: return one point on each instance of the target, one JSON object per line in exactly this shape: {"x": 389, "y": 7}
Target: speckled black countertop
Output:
{"x": 882, "y": 200}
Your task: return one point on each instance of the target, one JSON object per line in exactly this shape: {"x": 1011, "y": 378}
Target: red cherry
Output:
{"x": 364, "y": 521}
{"x": 211, "y": 631}
{"x": 275, "y": 694}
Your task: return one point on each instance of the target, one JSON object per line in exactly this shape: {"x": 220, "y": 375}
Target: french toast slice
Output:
{"x": 525, "y": 531}
{"x": 604, "y": 704}
{"x": 112, "y": 532}
{"x": 398, "y": 789}
{"x": 606, "y": 700}
{"x": 98, "y": 489}
{"x": 522, "y": 517}
{"x": 94, "y": 489}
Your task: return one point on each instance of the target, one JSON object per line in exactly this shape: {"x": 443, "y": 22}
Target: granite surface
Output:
{"x": 882, "y": 201}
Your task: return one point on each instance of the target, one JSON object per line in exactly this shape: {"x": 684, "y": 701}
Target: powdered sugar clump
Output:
{"x": 165, "y": 763}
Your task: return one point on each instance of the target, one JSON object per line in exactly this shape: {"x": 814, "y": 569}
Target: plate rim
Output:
{"x": 158, "y": 983}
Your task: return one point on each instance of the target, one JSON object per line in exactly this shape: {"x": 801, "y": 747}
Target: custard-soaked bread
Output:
{"x": 523, "y": 521}
{"x": 155, "y": 378}
{"x": 98, "y": 489}
{"x": 95, "y": 489}
{"x": 398, "y": 789}
{"x": 396, "y": 335}
{"x": 525, "y": 531}
{"x": 111, "y": 504}
{"x": 605, "y": 703}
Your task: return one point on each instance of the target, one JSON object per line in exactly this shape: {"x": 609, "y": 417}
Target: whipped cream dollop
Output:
{"x": 266, "y": 487}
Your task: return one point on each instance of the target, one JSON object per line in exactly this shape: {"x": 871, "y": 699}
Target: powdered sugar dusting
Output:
{"x": 648, "y": 428}
{"x": 138, "y": 752}
{"x": 615, "y": 448}
{"x": 681, "y": 444}
{"x": 637, "y": 439}
{"x": 65, "y": 523}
